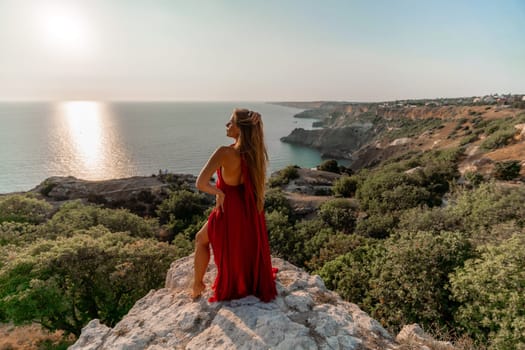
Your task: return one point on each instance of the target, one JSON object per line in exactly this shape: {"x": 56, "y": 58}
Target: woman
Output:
{"x": 236, "y": 228}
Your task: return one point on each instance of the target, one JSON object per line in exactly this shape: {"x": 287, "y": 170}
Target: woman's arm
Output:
{"x": 203, "y": 180}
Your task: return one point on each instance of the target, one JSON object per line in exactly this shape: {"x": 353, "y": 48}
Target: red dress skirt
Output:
{"x": 240, "y": 245}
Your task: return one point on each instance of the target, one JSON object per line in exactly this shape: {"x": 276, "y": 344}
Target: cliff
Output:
{"x": 333, "y": 142}
{"x": 370, "y": 133}
{"x": 305, "y": 315}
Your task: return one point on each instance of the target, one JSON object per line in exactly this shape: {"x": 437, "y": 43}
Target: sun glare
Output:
{"x": 64, "y": 30}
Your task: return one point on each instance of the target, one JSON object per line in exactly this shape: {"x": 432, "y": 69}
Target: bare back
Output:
{"x": 231, "y": 167}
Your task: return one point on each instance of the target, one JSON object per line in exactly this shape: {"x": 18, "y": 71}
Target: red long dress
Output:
{"x": 240, "y": 245}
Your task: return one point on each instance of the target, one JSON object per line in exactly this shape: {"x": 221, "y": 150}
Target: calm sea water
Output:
{"x": 99, "y": 140}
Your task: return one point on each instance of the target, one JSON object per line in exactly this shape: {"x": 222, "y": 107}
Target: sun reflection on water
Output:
{"x": 87, "y": 143}
{"x": 85, "y": 129}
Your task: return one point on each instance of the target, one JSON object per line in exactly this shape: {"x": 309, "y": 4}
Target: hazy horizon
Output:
{"x": 209, "y": 51}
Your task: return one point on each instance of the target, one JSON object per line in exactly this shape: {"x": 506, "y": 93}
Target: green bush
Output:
{"x": 181, "y": 210}
{"x": 487, "y": 205}
{"x": 474, "y": 178}
{"x": 18, "y": 233}
{"x": 350, "y": 274}
{"x": 507, "y": 170}
{"x": 418, "y": 179}
{"x": 390, "y": 191}
{"x": 433, "y": 220}
{"x": 345, "y": 186}
{"x": 335, "y": 245}
{"x": 284, "y": 176}
{"x": 330, "y": 165}
{"x": 498, "y": 139}
{"x": 309, "y": 236}
{"x": 468, "y": 139}
{"x": 24, "y": 208}
{"x": 409, "y": 281}
{"x": 376, "y": 225}
{"x": 65, "y": 283}
{"x": 75, "y": 215}
{"x": 281, "y": 235}
{"x": 298, "y": 243}
{"x": 490, "y": 290}
{"x": 340, "y": 214}
{"x": 275, "y": 200}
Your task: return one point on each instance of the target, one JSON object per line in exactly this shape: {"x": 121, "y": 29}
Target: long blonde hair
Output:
{"x": 252, "y": 148}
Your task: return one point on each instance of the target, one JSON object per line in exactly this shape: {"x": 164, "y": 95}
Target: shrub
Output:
{"x": 47, "y": 186}
{"x": 350, "y": 274}
{"x": 498, "y": 139}
{"x": 390, "y": 191}
{"x": 24, "y": 208}
{"x": 296, "y": 243}
{"x": 345, "y": 186}
{"x": 376, "y": 225}
{"x": 309, "y": 235}
{"x": 487, "y": 205}
{"x": 468, "y": 139}
{"x": 75, "y": 215}
{"x": 409, "y": 281}
{"x": 335, "y": 245}
{"x": 339, "y": 214}
{"x": 474, "y": 178}
{"x": 490, "y": 290}
{"x": 281, "y": 235}
{"x": 408, "y": 181}
{"x": 181, "y": 210}
{"x": 275, "y": 200}
{"x": 433, "y": 220}
{"x": 330, "y": 165}
{"x": 283, "y": 176}
{"x": 507, "y": 170}
{"x": 63, "y": 284}
{"x": 18, "y": 233}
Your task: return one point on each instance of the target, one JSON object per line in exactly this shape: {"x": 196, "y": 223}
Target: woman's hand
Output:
{"x": 219, "y": 200}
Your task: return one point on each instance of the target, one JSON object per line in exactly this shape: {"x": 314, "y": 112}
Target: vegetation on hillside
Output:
{"x": 408, "y": 240}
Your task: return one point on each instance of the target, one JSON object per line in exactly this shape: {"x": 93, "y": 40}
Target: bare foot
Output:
{"x": 198, "y": 288}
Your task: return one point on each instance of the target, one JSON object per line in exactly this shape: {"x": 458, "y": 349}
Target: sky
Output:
{"x": 271, "y": 50}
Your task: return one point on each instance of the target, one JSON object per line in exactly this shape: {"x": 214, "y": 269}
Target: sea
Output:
{"x": 95, "y": 140}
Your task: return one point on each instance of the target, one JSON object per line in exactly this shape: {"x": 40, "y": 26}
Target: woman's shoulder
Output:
{"x": 227, "y": 151}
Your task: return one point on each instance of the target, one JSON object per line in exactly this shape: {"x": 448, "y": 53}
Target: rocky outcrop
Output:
{"x": 311, "y": 182}
{"x": 139, "y": 194}
{"x": 521, "y": 130}
{"x": 305, "y": 315}
{"x": 334, "y": 143}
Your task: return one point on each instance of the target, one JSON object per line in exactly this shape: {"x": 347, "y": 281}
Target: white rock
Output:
{"x": 400, "y": 141}
{"x": 305, "y": 315}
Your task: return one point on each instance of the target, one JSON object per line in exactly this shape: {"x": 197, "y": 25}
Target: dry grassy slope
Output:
{"x": 439, "y": 138}
{"x": 25, "y": 337}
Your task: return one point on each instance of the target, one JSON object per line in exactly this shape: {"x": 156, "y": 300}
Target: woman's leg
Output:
{"x": 202, "y": 258}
